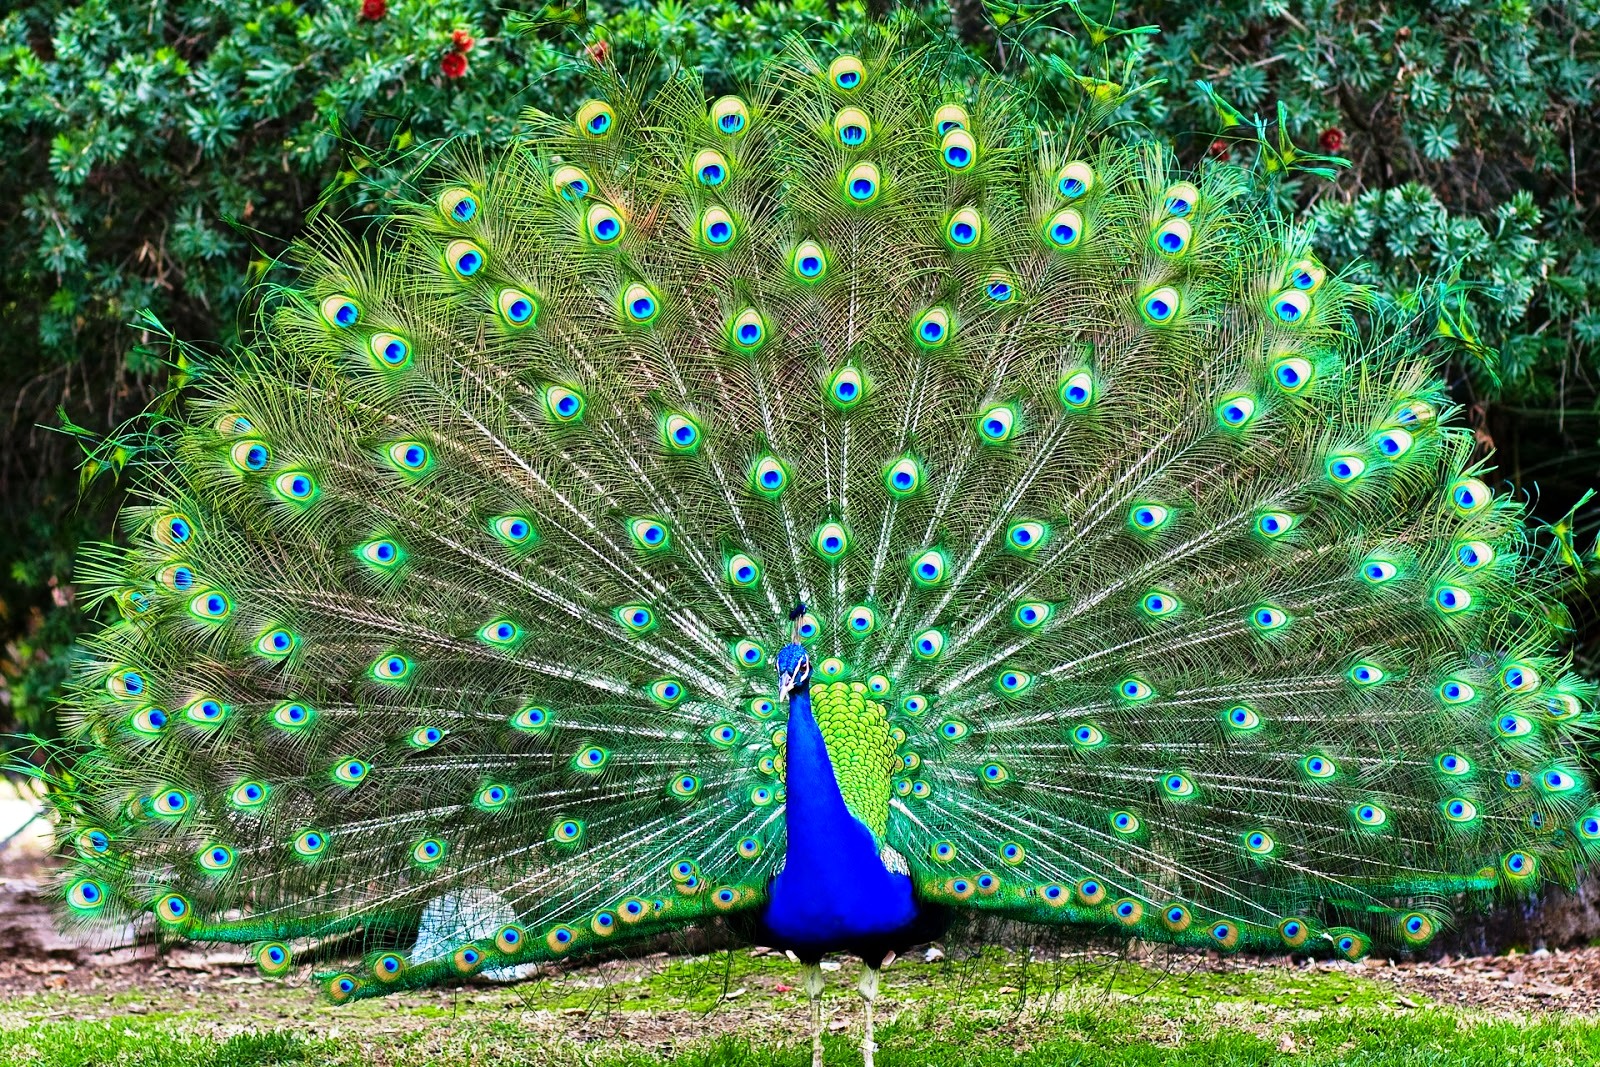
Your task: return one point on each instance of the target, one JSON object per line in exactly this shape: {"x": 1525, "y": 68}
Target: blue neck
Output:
{"x": 833, "y": 892}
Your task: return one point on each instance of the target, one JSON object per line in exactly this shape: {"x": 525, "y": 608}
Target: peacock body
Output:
{"x": 825, "y": 507}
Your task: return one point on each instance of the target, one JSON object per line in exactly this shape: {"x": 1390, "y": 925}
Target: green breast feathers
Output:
{"x": 861, "y": 747}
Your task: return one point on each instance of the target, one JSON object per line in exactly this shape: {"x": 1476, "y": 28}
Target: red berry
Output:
{"x": 599, "y": 51}
{"x": 1219, "y": 147}
{"x": 373, "y": 10}
{"x": 454, "y": 65}
{"x": 462, "y": 40}
{"x": 1331, "y": 140}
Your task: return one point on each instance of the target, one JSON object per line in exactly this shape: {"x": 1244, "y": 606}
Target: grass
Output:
{"x": 996, "y": 1009}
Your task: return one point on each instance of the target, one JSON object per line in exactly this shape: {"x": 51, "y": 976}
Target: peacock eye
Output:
{"x": 570, "y": 183}
{"x": 596, "y": 119}
{"x": 1064, "y": 229}
{"x": 1172, "y": 239}
{"x": 809, "y": 262}
{"x": 1075, "y": 179}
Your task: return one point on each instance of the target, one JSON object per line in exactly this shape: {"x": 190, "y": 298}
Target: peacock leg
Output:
{"x": 811, "y": 978}
{"x": 868, "y": 988}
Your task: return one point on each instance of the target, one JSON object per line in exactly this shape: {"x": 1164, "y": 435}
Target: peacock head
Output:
{"x": 794, "y": 670}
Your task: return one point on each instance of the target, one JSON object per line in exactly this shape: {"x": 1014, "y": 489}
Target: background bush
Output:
{"x": 160, "y": 154}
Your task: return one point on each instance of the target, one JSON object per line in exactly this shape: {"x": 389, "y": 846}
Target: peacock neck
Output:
{"x": 834, "y": 892}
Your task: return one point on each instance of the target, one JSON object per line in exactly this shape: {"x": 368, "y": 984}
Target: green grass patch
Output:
{"x": 996, "y": 1009}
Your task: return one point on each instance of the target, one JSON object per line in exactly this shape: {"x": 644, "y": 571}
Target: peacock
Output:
{"x": 873, "y": 498}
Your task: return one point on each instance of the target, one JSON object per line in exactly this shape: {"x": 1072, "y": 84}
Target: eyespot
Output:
{"x": 1291, "y": 306}
{"x": 1345, "y": 469}
{"x": 1556, "y": 780}
{"x": 250, "y": 456}
{"x": 808, "y": 262}
{"x": 650, "y": 535}
{"x": 1306, "y": 275}
{"x": 126, "y": 685}
{"x": 958, "y": 150}
{"x": 148, "y": 720}
{"x": 878, "y": 685}
{"x": 172, "y": 530}
{"x": 93, "y": 842}
{"x": 1350, "y": 944}
{"x": 747, "y": 331}
{"x": 1236, "y": 411}
{"x": 604, "y": 225}
{"x": 861, "y": 621}
{"x": 680, "y": 432}
{"x": 1369, "y": 815}
{"x": 249, "y": 795}
{"x": 847, "y": 73}
{"x": 964, "y": 228}
{"x": 1177, "y": 785}
{"x": 999, "y": 289}
{"x": 428, "y": 852}
{"x": 1451, "y": 599}
{"x": 1455, "y": 691}
{"x": 996, "y": 424}
{"x": 861, "y": 183}
{"x": 272, "y": 958}
{"x": 1366, "y": 674}
{"x": 1563, "y": 706}
{"x": 1180, "y": 199}
{"x": 500, "y": 633}
{"x": 640, "y": 304}
{"x": 846, "y": 388}
{"x": 514, "y": 531}
{"x": 710, "y": 168}
{"x": 1453, "y": 763}
{"x": 1175, "y": 917}
{"x": 1519, "y": 678}
{"x": 1474, "y": 555}
{"x": 215, "y": 858}
{"x": 425, "y": 737}
{"x": 667, "y": 691}
{"x": 295, "y": 487}
{"x": 954, "y": 730}
{"x": 750, "y": 848}
{"x": 392, "y": 668}
{"x": 1318, "y": 767}
{"x": 1158, "y": 603}
{"x": 174, "y": 909}
{"x": 1026, "y": 537}
{"x": 1416, "y": 927}
{"x": 211, "y": 606}
{"x": 833, "y": 667}
{"x": 1172, "y": 238}
{"x": 1087, "y": 735}
{"x": 1519, "y": 866}
{"x": 340, "y": 311}
{"x": 1294, "y": 932}
{"x": 1376, "y": 570}
{"x": 1064, "y": 229}
{"x": 350, "y": 771}
{"x": 914, "y": 704}
{"x": 1075, "y": 179}
{"x": 595, "y": 119}
{"x": 903, "y": 477}
{"x": 232, "y": 424}
{"x": 1134, "y": 690}
{"x": 382, "y": 554}
{"x": 310, "y": 843}
{"x": 635, "y": 618}
{"x": 509, "y": 939}
{"x": 1292, "y": 375}
{"x": 933, "y": 329}
{"x": 1516, "y": 781}
{"x": 1412, "y": 413}
{"x": 171, "y": 802}
{"x": 1459, "y": 809}
{"x": 1077, "y": 390}
{"x": 1125, "y": 823}
{"x": 723, "y": 735}
{"x": 928, "y": 645}
{"x": 1265, "y": 618}
{"x": 1091, "y": 892}
{"x": 1259, "y": 843}
{"x": 1468, "y": 496}
{"x": 749, "y": 654}
{"x": 567, "y": 831}
{"x": 1393, "y": 444}
{"x": 1274, "y": 524}
{"x": 1241, "y": 717}
{"x": 534, "y": 719}
{"x": 950, "y": 117}
{"x": 852, "y": 128}
{"x": 86, "y": 894}
{"x": 458, "y": 205}
{"x": 1161, "y": 306}
{"x": 1011, "y": 683}
{"x": 928, "y": 568}
{"x": 1031, "y": 614}
{"x": 563, "y": 404}
{"x": 1588, "y": 826}
{"x": 730, "y": 115}
{"x": 293, "y": 715}
{"x": 742, "y": 571}
{"x": 571, "y": 183}
{"x": 717, "y": 228}
{"x": 277, "y": 643}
